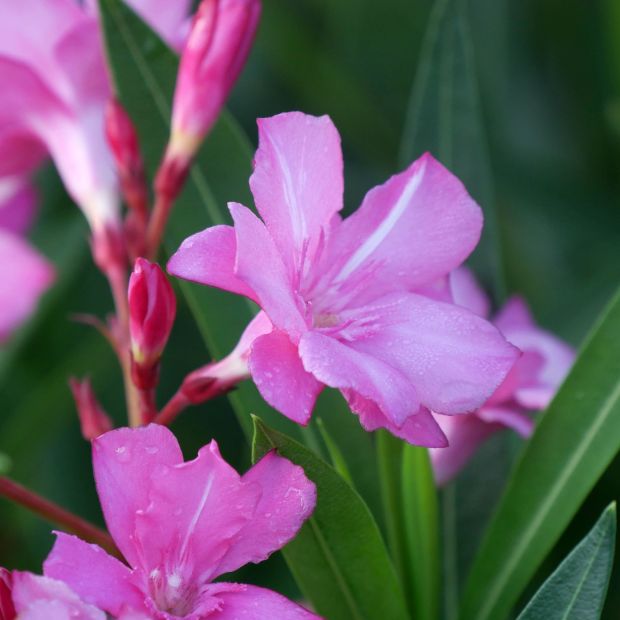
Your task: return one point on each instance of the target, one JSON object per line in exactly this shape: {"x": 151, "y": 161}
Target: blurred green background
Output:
{"x": 548, "y": 78}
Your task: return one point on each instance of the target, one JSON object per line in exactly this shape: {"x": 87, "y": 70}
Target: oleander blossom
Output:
{"x": 356, "y": 303}
{"x": 54, "y": 91}
{"x": 180, "y": 525}
{"x": 530, "y": 385}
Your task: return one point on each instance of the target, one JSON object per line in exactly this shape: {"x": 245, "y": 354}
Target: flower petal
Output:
{"x": 468, "y": 293}
{"x": 42, "y": 598}
{"x": 420, "y": 429}
{"x": 280, "y": 377}
{"x": 96, "y": 577}
{"x": 26, "y": 275}
{"x": 123, "y": 461}
{"x": 453, "y": 358}
{"x": 288, "y": 499}
{"x": 409, "y": 232}
{"x": 338, "y": 365}
{"x": 465, "y": 433}
{"x": 208, "y": 257}
{"x": 252, "y": 603}
{"x": 195, "y": 510}
{"x": 298, "y": 181}
{"x": 260, "y": 266}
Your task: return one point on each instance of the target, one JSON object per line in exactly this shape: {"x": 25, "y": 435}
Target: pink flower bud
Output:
{"x": 7, "y": 609}
{"x": 152, "y": 306}
{"x": 125, "y": 147}
{"x": 216, "y": 50}
{"x": 93, "y": 419}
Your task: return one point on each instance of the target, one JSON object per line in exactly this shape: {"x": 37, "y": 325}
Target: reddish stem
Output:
{"x": 172, "y": 409}
{"x": 157, "y": 224}
{"x": 54, "y": 513}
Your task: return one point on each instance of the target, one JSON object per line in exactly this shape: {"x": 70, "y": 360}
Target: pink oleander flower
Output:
{"x": 54, "y": 91}
{"x": 530, "y": 385}
{"x": 354, "y": 303}
{"x": 152, "y": 308}
{"x": 27, "y": 274}
{"x": 25, "y": 596}
{"x": 180, "y": 525}
{"x": 218, "y": 44}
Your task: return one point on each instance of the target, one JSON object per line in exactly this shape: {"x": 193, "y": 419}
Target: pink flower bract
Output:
{"x": 530, "y": 385}
{"x": 180, "y": 525}
{"x": 353, "y": 302}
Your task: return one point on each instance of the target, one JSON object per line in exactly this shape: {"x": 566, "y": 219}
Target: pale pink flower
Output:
{"x": 354, "y": 302}
{"x": 179, "y": 525}
{"x": 530, "y": 385}
{"x": 54, "y": 91}
{"x": 41, "y": 598}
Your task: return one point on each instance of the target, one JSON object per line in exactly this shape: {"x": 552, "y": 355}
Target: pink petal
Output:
{"x": 508, "y": 418}
{"x": 26, "y": 275}
{"x": 338, "y": 365}
{"x": 208, "y": 257}
{"x": 98, "y": 578}
{"x": 42, "y": 598}
{"x": 514, "y": 315}
{"x": 409, "y": 232}
{"x": 287, "y": 500}
{"x": 18, "y": 202}
{"x": 22, "y": 151}
{"x": 465, "y": 433}
{"x": 123, "y": 461}
{"x": 419, "y": 429}
{"x": 254, "y": 603}
{"x": 298, "y": 181}
{"x": 260, "y": 266}
{"x": 196, "y": 510}
{"x": 453, "y": 358}
{"x": 467, "y": 292}
{"x": 280, "y": 377}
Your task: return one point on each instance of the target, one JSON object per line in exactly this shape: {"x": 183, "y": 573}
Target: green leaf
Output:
{"x": 338, "y": 558}
{"x": 577, "y": 588}
{"x": 575, "y": 441}
{"x": 444, "y": 117}
{"x": 338, "y": 462}
{"x": 421, "y": 520}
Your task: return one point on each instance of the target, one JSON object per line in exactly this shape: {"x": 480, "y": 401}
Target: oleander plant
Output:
{"x": 335, "y": 334}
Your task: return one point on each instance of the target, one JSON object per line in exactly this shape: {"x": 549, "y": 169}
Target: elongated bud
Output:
{"x": 152, "y": 307}
{"x": 125, "y": 147}
{"x": 93, "y": 419}
{"x": 216, "y": 50}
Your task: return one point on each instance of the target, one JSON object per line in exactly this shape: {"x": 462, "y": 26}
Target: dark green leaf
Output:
{"x": 421, "y": 521}
{"x": 338, "y": 558}
{"x": 577, "y": 588}
{"x": 444, "y": 117}
{"x": 575, "y": 441}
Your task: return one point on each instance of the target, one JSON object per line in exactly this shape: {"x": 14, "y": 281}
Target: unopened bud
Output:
{"x": 221, "y": 35}
{"x": 93, "y": 419}
{"x": 152, "y": 307}
{"x": 125, "y": 147}
{"x": 108, "y": 248}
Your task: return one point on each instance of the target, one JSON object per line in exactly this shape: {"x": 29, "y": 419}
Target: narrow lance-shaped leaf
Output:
{"x": 444, "y": 117}
{"x": 577, "y": 588}
{"x": 421, "y": 520}
{"x": 338, "y": 559}
{"x": 576, "y": 440}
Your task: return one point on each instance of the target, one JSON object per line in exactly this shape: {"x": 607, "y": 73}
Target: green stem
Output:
{"x": 450, "y": 550}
